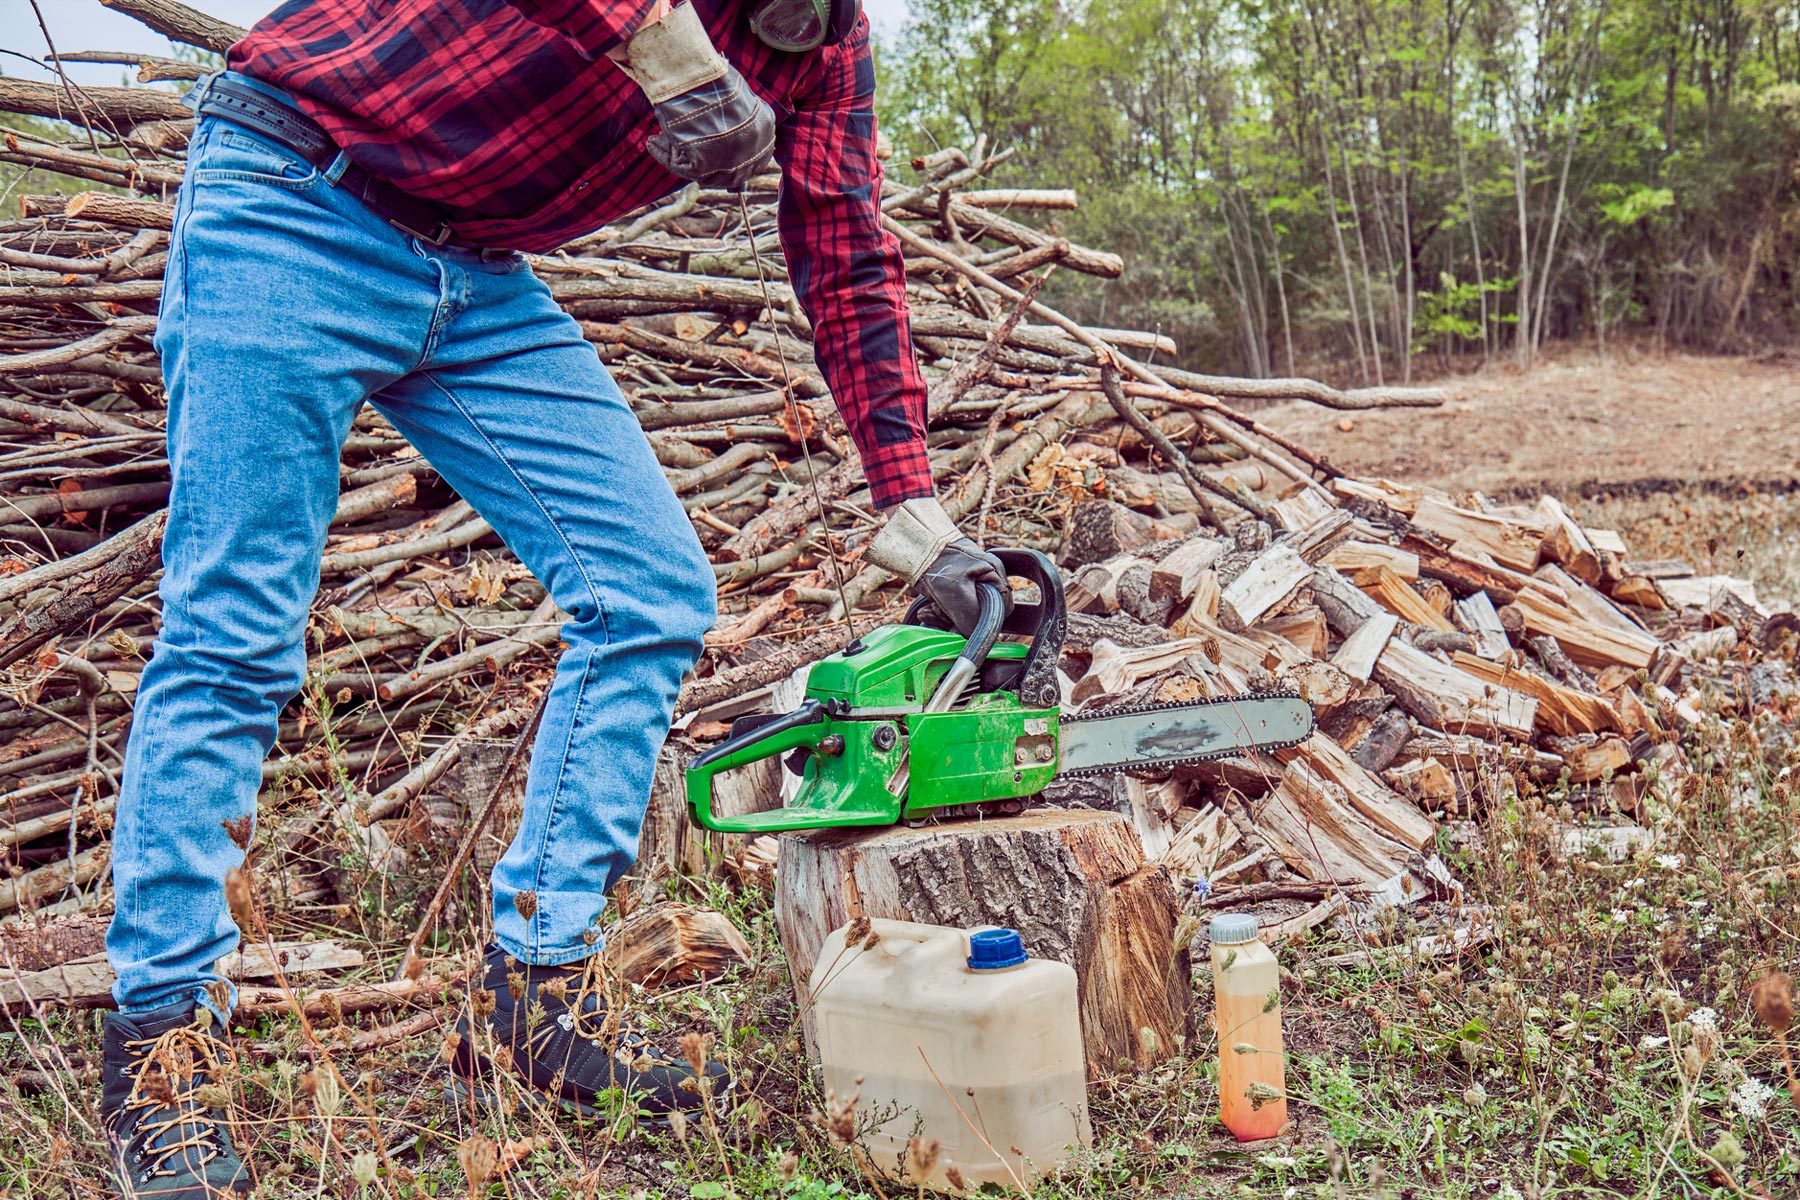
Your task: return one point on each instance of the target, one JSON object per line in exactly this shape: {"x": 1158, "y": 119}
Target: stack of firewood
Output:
{"x": 1448, "y": 642}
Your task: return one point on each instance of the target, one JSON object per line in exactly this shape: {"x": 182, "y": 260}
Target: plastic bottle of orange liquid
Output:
{"x": 1247, "y": 1008}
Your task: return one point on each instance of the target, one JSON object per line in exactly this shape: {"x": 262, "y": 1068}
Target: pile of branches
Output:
{"x": 428, "y": 636}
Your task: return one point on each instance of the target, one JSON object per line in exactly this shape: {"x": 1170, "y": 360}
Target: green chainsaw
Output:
{"x": 914, "y": 723}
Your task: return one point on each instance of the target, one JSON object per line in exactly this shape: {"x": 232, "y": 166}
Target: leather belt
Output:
{"x": 282, "y": 122}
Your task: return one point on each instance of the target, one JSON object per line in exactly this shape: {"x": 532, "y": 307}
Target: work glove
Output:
{"x": 715, "y": 130}
{"x": 920, "y": 544}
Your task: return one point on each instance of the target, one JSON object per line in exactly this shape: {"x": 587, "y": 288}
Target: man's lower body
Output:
{"x": 287, "y": 305}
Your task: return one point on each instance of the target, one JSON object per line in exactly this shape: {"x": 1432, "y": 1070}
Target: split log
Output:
{"x": 1397, "y": 596}
{"x": 1451, "y": 700}
{"x": 1318, "y": 834}
{"x": 1560, "y": 710}
{"x": 1566, "y": 542}
{"x": 1074, "y": 884}
{"x": 1360, "y": 651}
{"x": 1266, "y": 584}
{"x": 668, "y": 945}
{"x": 1587, "y": 643}
{"x": 1359, "y": 560}
{"x": 1177, "y": 575}
{"x": 1587, "y": 757}
{"x": 1475, "y": 615}
{"x": 87, "y": 982}
{"x": 1508, "y": 543}
{"x": 1347, "y": 607}
{"x": 1102, "y": 529}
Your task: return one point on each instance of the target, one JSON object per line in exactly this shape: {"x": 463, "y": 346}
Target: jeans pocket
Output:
{"x": 238, "y": 154}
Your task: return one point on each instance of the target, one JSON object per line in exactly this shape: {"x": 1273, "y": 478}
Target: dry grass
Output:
{"x": 1606, "y": 1042}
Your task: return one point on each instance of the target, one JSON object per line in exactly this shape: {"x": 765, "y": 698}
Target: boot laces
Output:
{"x": 168, "y": 1072}
{"x": 602, "y": 1026}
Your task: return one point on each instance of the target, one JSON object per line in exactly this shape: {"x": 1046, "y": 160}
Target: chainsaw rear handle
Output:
{"x": 805, "y": 726}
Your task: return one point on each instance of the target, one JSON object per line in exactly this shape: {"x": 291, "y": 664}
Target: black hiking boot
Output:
{"x": 551, "y": 1027}
{"x": 165, "y": 1139}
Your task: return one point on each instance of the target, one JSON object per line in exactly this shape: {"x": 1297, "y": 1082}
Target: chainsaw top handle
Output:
{"x": 1044, "y": 621}
{"x": 974, "y": 652}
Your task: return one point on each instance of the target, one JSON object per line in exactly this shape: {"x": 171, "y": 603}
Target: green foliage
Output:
{"x": 1292, "y": 181}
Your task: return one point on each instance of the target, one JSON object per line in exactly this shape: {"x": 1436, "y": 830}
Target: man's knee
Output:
{"x": 238, "y": 673}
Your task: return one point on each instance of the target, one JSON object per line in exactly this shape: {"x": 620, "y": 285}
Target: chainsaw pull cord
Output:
{"x": 793, "y": 411}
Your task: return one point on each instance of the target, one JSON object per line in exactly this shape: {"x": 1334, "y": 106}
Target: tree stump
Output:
{"x": 1073, "y": 883}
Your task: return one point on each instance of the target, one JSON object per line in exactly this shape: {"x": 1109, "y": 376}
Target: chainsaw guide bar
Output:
{"x": 1154, "y": 736}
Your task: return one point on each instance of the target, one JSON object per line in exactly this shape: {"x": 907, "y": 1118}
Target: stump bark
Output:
{"x": 1074, "y": 883}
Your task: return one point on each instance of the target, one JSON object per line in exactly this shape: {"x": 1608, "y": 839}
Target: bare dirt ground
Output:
{"x": 1631, "y": 422}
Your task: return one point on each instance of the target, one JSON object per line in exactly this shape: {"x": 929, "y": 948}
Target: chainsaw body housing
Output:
{"x": 874, "y": 756}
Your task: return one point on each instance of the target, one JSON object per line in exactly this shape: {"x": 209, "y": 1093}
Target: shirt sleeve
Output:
{"x": 596, "y": 26}
{"x": 848, "y": 273}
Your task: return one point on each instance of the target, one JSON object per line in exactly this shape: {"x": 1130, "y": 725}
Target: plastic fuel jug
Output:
{"x": 1247, "y": 1014}
{"x": 959, "y": 1036}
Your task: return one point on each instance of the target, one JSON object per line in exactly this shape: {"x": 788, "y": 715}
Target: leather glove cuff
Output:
{"x": 915, "y": 533}
{"x": 671, "y": 56}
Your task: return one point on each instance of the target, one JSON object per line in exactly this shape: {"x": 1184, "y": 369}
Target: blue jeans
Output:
{"x": 287, "y": 305}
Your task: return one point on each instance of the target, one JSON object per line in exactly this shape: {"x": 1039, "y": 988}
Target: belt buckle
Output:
{"x": 439, "y": 239}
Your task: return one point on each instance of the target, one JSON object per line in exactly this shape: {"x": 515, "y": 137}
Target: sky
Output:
{"x": 85, "y": 25}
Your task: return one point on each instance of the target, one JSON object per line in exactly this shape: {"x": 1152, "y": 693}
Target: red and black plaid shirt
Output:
{"x": 508, "y": 113}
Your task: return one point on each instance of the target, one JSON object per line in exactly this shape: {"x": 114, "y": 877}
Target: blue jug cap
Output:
{"x": 996, "y": 949}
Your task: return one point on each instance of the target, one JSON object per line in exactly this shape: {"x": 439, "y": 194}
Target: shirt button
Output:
{"x": 582, "y": 186}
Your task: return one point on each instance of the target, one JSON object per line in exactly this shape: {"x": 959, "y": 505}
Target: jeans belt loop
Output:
{"x": 197, "y": 93}
{"x": 336, "y": 170}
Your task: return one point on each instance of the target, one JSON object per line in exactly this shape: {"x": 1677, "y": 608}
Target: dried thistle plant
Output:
{"x": 1772, "y": 997}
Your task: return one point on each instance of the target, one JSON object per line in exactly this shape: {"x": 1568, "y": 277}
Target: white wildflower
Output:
{"x": 1704, "y": 1019}
{"x": 1670, "y": 862}
{"x": 1620, "y": 915}
{"x": 1652, "y": 1043}
{"x": 1508, "y": 1192}
{"x": 1751, "y": 1098}
{"x": 1634, "y": 883}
